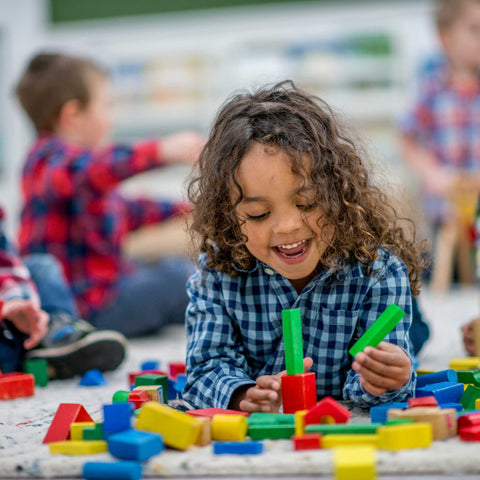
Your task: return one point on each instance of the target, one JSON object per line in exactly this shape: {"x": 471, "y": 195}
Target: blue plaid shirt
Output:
{"x": 234, "y": 327}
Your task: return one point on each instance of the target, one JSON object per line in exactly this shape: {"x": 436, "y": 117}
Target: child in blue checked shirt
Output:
{"x": 286, "y": 216}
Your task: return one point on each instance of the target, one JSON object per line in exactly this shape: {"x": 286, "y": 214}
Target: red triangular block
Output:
{"x": 327, "y": 407}
{"x": 67, "y": 413}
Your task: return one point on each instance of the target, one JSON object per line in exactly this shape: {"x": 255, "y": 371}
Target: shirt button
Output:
{"x": 269, "y": 271}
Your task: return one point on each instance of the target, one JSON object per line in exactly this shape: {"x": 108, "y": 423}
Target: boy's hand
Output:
{"x": 27, "y": 317}
{"x": 266, "y": 395}
{"x": 182, "y": 147}
{"x": 468, "y": 341}
{"x": 382, "y": 369}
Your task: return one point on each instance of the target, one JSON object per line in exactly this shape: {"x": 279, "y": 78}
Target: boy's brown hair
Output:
{"x": 300, "y": 124}
{"x": 447, "y": 12}
{"x": 49, "y": 81}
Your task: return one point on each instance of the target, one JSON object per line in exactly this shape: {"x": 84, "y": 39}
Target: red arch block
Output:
{"x": 327, "y": 407}
{"x": 67, "y": 413}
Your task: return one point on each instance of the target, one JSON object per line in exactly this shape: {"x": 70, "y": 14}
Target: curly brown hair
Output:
{"x": 300, "y": 124}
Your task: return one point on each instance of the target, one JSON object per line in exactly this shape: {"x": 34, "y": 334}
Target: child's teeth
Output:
{"x": 292, "y": 245}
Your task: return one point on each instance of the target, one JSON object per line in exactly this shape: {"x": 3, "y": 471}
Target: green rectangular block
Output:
{"x": 384, "y": 324}
{"x": 153, "y": 379}
{"x": 343, "y": 428}
{"x": 274, "y": 432}
{"x": 259, "y": 418}
{"x": 93, "y": 433}
{"x": 469, "y": 376}
{"x": 469, "y": 396}
{"x": 38, "y": 367}
{"x": 292, "y": 339}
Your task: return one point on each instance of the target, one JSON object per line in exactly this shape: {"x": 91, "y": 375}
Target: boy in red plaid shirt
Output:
{"x": 72, "y": 208}
{"x": 42, "y": 323}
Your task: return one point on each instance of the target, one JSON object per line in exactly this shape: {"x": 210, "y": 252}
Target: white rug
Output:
{"x": 24, "y": 422}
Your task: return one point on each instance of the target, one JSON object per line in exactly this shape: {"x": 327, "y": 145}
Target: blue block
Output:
{"x": 180, "y": 384}
{"x": 112, "y": 471}
{"x": 172, "y": 393}
{"x": 444, "y": 392}
{"x": 92, "y": 378}
{"x": 117, "y": 417}
{"x": 457, "y": 406}
{"x": 378, "y": 413}
{"x": 135, "y": 445}
{"x": 237, "y": 448}
{"x": 150, "y": 365}
{"x": 449, "y": 375}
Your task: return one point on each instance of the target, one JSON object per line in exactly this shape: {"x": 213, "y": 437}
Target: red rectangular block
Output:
{"x": 66, "y": 414}
{"x": 16, "y": 385}
{"x": 299, "y": 392}
{"x": 176, "y": 369}
{"x": 133, "y": 375}
{"x": 210, "y": 412}
{"x": 422, "y": 402}
{"x": 309, "y": 441}
{"x": 468, "y": 420}
{"x": 470, "y": 434}
{"x": 138, "y": 398}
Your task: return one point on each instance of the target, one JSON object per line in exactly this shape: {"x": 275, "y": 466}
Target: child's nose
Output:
{"x": 288, "y": 222}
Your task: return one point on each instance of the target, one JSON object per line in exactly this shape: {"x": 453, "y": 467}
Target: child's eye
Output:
{"x": 257, "y": 218}
{"x": 307, "y": 208}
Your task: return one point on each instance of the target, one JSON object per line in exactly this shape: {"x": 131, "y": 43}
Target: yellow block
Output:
{"x": 300, "y": 422}
{"x": 76, "y": 429}
{"x": 355, "y": 463}
{"x": 229, "y": 428}
{"x": 78, "y": 447}
{"x": 477, "y": 404}
{"x": 179, "y": 430}
{"x": 205, "y": 436}
{"x": 468, "y": 363}
{"x": 334, "y": 440}
{"x": 421, "y": 372}
{"x": 404, "y": 436}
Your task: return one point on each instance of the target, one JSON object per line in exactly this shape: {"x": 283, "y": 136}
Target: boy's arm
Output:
{"x": 393, "y": 287}
{"x": 143, "y": 211}
{"x": 216, "y": 363}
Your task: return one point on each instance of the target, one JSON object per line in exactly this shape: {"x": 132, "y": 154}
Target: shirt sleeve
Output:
{"x": 216, "y": 364}
{"x": 144, "y": 211}
{"x": 392, "y": 287}
{"x": 15, "y": 280}
{"x": 74, "y": 170}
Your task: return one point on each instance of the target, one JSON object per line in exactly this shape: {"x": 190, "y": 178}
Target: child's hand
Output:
{"x": 382, "y": 369}
{"x": 266, "y": 395}
{"x": 468, "y": 341}
{"x": 182, "y": 147}
{"x": 27, "y": 317}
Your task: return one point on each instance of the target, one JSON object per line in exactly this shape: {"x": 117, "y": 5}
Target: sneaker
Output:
{"x": 72, "y": 346}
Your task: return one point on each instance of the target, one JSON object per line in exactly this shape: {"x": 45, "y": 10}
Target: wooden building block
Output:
{"x": 135, "y": 445}
{"x": 210, "y": 412}
{"x": 229, "y": 428}
{"x": 338, "y": 440}
{"x": 300, "y": 422}
{"x": 16, "y": 385}
{"x": 117, "y": 417}
{"x": 422, "y": 402}
{"x": 78, "y": 447}
{"x": 179, "y": 430}
{"x": 38, "y": 367}
{"x": 121, "y": 470}
{"x": 76, "y": 429}
{"x": 139, "y": 397}
{"x": 469, "y": 376}
{"x": 309, "y": 441}
{"x": 299, "y": 392}
{"x": 292, "y": 339}
{"x": 470, "y": 434}
{"x": 449, "y": 375}
{"x": 176, "y": 368}
{"x": 260, "y": 418}
{"x": 468, "y": 363}
{"x": 470, "y": 395}
{"x": 150, "y": 390}
{"x": 384, "y": 324}
{"x": 468, "y": 419}
{"x": 344, "y": 428}
{"x": 133, "y": 375}
{"x": 205, "y": 435}
{"x": 355, "y": 463}
{"x": 153, "y": 379}
{"x": 443, "y": 421}
{"x": 326, "y": 409}
{"x": 404, "y": 436}
{"x": 444, "y": 392}
{"x": 237, "y": 448}
{"x": 66, "y": 414}
{"x": 378, "y": 413}
{"x": 93, "y": 433}
{"x": 272, "y": 431}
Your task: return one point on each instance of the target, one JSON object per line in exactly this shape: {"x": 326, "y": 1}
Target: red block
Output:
{"x": 327, "y": 407}
{"x": 138, "y": 398}
{"x": 67, "y": 413}
{"x": 133, "y": 375}
{"x": 176, "y": 369}
{"x": 422, "y": 402}
{"x": 470, "y": 434}
{"x": 468, "y": 420}
{"x": 299, "y": 392}
{"x": 210, "y": 412}
{"x": 15, "y": 385}
{"x": 309, "y": 441}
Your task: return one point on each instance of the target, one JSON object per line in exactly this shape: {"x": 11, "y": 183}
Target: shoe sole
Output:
{"x": 101, "y": 350}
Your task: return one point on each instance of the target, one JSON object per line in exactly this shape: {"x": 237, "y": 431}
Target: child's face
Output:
{"x": 277, "y": 215}
{"x": 94, "y": 122}
{"x": 461, "y": 40}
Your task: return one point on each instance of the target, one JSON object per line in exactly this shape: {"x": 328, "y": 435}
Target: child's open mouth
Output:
{"x": 294, "y": 250}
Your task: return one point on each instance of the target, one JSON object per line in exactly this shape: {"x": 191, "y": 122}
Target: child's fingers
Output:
{"x": 249, "y": 406}
{"x": 307, "y": 363}
{"x": 256, "y": 394}
{"x": 269, "y": 382}
{"x": 385, "y": 381}
{"x": 388, "y": 354}
{"x": 370, "y": 388}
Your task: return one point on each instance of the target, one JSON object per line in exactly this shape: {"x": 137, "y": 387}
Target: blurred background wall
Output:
{"x": 174, "y": 63}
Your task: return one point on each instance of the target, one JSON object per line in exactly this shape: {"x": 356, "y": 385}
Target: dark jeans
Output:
{"x": 55, "y": 296}
{"x": 419, "y": 330}
{"x": 152, "y": 297}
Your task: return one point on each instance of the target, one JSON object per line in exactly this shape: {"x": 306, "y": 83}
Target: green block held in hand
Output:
{"x": 384, "y": 324}
{"x": 292, "y": 339}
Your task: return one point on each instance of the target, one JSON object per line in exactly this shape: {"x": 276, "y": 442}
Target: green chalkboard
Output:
{"x": 61, "y": 11}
